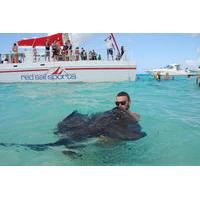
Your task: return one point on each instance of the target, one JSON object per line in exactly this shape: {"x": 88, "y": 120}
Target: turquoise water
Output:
{"x": 170, "y": 115}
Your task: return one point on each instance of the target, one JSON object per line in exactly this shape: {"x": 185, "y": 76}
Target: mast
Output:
{"x": 115, "y": 42}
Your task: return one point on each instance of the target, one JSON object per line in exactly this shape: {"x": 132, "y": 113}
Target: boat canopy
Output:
{"x": 75, "y": 38}
{"x": 62, "y": 37}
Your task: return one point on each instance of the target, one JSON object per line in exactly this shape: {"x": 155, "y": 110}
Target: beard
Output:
{"x": 128, "y": 106}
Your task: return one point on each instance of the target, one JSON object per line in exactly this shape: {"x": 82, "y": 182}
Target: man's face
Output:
{"x": 123, "y": 102}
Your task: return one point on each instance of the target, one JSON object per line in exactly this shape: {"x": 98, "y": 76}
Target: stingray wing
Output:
{"x": 75, "y": 121}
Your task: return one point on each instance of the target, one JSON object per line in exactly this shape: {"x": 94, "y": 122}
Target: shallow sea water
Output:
{"x": 170, "y": 115}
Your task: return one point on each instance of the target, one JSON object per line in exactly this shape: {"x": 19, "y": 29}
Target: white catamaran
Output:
{"x": 28, "y": 68}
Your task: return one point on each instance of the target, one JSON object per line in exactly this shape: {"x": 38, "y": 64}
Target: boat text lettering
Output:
{"x": 31, "y": 77}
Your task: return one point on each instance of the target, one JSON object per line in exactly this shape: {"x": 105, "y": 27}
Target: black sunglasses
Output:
{"x": 120, "y": 102}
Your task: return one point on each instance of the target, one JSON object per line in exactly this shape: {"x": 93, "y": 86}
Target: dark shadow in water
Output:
{"x": 109, "y": 127}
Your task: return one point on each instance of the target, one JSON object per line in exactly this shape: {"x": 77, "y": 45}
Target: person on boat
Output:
{"x": 34, "y": 54}
{"x": 15, "y": 52}
{"x": 110, "y": 47}
{"x": 47, "y": 50}
{"x": 65, "y": 46}
{"x": 66, "y": 51}
{"x": 90, "y": 55}
{"x": 167, "y": 76}
{"x": 122, "y": 51}
{"x": 54, "y": 53}
{"x": 81, "y": 53}
{"x": 94, "y": 55}
{"x": 58, "y": 50}
{"x": 70, "y": 51}
{"x": 118, "y": 56}
{"x": 77, "y": 53}
{"x": 123, "y": 101}
{"x": 84, "y": 55}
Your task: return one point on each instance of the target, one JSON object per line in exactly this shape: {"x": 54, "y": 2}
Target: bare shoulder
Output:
{"x": 135, "y": 115}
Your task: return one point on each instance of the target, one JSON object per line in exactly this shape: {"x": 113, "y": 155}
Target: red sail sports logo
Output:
{"x": 57, "y": 73}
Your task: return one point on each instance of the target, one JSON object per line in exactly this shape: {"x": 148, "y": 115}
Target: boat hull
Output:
{"x": 170, "y": 73}
{"x": 69, "y": 72}
{"x": 195, "y": 72}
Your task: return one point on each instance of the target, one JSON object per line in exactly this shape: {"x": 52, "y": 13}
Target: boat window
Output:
{"x": 169, "y": 67}
{"x": 178, "y": 67}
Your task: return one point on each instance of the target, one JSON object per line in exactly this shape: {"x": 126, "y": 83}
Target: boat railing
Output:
{"x": 12, "y": 58}
{"x": 23, "y": 57}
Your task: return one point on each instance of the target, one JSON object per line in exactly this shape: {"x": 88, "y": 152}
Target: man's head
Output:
{"x": 123, "y": 100}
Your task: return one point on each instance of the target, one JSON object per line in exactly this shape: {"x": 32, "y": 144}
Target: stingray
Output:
{"x": 116, "y": 124}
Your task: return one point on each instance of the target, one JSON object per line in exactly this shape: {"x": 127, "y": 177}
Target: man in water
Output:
{"x": 123, "y": 101}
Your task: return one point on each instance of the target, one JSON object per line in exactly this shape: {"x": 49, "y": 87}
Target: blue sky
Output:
{"x": 148, "y": 50}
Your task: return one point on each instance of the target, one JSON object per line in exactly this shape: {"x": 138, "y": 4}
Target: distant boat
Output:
{"x": 195, "y": 71}
{"x": 171, "y": 70}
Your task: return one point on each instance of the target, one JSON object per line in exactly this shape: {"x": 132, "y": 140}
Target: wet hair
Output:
{"x": 124, "y": 94}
